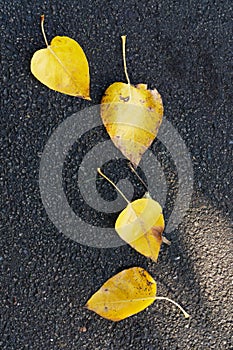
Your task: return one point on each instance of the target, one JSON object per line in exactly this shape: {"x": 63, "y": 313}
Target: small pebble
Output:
{"x": 82, "y": 329}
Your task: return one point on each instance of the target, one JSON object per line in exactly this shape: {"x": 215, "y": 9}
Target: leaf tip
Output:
{"x": 88, "y": 98}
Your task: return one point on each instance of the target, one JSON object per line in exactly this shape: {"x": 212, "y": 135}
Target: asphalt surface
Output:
{"x": 184, "y": 49}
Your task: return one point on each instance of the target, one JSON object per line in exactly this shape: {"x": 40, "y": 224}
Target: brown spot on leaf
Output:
{"x": 125, "y": 99}
{"x": 149, "y": 283}
{"x": 157, "y": 232}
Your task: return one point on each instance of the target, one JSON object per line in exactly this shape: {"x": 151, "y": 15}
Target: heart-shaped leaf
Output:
{"x": 132, "y": 116}
{"x": 126, "y": 294}
{"x": 62, "y": 66}
{"x": 141, "y": 225}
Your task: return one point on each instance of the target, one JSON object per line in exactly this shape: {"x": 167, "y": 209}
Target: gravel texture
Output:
{"x": 183, "y": 48}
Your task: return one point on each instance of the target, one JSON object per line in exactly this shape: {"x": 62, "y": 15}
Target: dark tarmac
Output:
{"x": 184, "y": 49}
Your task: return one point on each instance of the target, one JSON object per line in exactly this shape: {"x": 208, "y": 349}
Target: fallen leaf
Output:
{"x": 62, "y": 66}
{"x": 123, "y": 295}
{"x": 132, "y": 116}
{"x": 141, "y": 225}
{"x": 126, "y": 294}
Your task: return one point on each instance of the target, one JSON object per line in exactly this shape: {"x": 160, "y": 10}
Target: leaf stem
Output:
{"x": 112, "y": 183}
{"x": 166, "y": 241}
{"x": 138, "y": 176}
{"x": 42, "y": 29}
{"x": 186, "y": 315}
{"x": 123, "y": 38}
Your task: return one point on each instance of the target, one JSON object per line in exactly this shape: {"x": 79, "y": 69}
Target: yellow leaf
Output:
{"x": 141, "y": 225}
{"x": 126, "y": 294}
{"x": 62, "y": 66}
{"x": 123, "y": 295}
{"x": 132, "y": 116}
